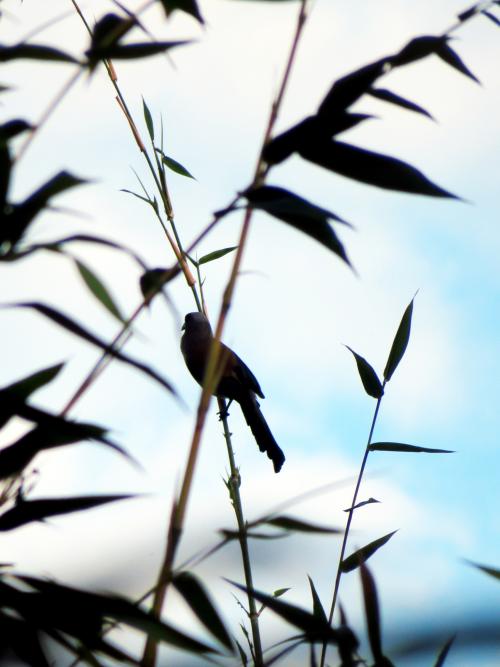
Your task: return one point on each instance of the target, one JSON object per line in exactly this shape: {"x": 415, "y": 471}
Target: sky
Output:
{"x": 296, "y": 306}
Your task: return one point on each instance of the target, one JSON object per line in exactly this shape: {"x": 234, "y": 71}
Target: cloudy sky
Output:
{"x": 295, "y": 306}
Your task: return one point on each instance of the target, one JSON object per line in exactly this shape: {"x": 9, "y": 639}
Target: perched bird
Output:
{"x": 237, "y": 382}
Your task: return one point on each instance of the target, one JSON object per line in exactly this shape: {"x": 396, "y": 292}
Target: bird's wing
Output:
{"x": 246, "y": 377}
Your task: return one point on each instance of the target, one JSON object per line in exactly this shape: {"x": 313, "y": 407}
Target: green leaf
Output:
{"x": 216, "y": 254}
{"x": 175, "y": 166}
{"x": 70, "y": 325}
{"x": 388, "y": 96}
{"x": 153, "y": 280}
{"x": 399, "y": 343}
{"x": 403, "y": 447}
{"x": 34, "y": 52}
{"x": 27, "y": 511}
{"x": 491, "y": 571}
{"x": 198, "y": 599}
{"x": 149, "y": 121}
{"x": 372, "y": 168}
{"x": 188, "y": 6}
{"x": 99, "y": 290}
{"x": 369, "y": 378}
{"x": 298, "y": 525}
{"x": 299, "y": 213}
{"x": 309, "y": 624}
{"x": 280, "y": 591}
{"x": 362, "y": 555}
{"x": 318, "y": 609}
{"x": 444, "y": 652}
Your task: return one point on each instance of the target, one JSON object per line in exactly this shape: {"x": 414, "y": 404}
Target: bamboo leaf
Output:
{"x": 299, "y": 213}
{"x": 298, "y": 525}
{"x": 362, "y": 555}
{"x": 369, "y": 378}
{"x": 491, "y": 571}
{"x": 372, "y": 613}
{"x": 99, "y": 290}
{"x": 388, "y": 96}
{"x": 492, "y": 17}
{"x": 440, "y": 660}
{"x": 308, "y": 623}
{"x": 449, "y": 56}
{"x": 188, "y": 6}
{"x": 34, "y": 52}
{"x": 399, "y": 343}
{"x": 362, "y": 504}
{"x": 174, "y": 166}
{"x": 198, "y": 599}
{"x": 318, "y": 609}
{"x": 403, "y": 447}
{"x": 28, "y": 511}
{"x": 149, "y": 120}
{"x": 216, "y": 254}
{"x": 372, "y": 168}
{"x": 70, "y": 325}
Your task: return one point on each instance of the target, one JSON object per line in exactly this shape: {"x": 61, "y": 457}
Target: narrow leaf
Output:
{"x": 418, "y": 48}
{"x": 362, "y": 555}
{"x": 372, "y": 613}
{"x": 216, "y": 254}
{"x": 403, "y": 447}
{"x": 34, "y": 52}
{"x": 492, "y": 17}
{"x": 99, "y": 290}
{"x": 446, "y": 53}
{"x": 440, "y": 660}
{"x": 362, "y": 504}
{"x": 188, "y": 6}
{"x": 299, "y": 213}
{"x": 25, "y": 387}
{"x": 300, "y": 526}
{"x": 313, "y": 628}
{"x": 491, "y": 571}
{"x": 369, "y": 378}
{"x": 149, "y": 120}
{"x": 130, "y": 51}
{"x": 399, "y": 343}
{"x": 280, "y": 591}
{"x": 372, "y": 168}
{"x": 318, "y": 609}
{"x": 388, "y": 96}
{"x": 70, "y": 325}
{"x": 468, "y": 13}
{"x": 175, "y": 166}
{"x": 198, "y": 599}
{"x": 27, "y": 511}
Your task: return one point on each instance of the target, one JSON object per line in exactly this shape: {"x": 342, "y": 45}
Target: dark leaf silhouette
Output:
{"x": 299, "y": 213}
{"x": 82, "y": 615}
{"x": 362, "y": 555}
{"x": 318, "y": 609}
{"x": 131, "y": 51}
{"x": 491, "y": 571}
{"x": 440, "y": 660}
{"x": 298, "y": 525}
{"x": 27, "y": 511}
{"x": 362, "y": 504}
{"x": 281, "y": 147}
{"x": 23, "y": 640}
{"x": 403, "y": 447}
{"x": 34, "y": 52}
{"x": 388, "y": 96}
{"x": 373, "y": 168}
{"x": 70, "y": 325}
{"x": 198, "y": 599}
{"x": 348, "y": 89}
{"x": 99, "y": 290}
{"x": 418, "y": 48}
{"x": 12, "y": 128}
{"x": 309, "y": 624}
{"x": 492, "y": 17}
{"x": 188, "y": 6}
{"x": 446, "y": 53}
{"x": 22, "y": 214}
{"x": 372, "y": 613}
{"x": 369, "y": 378}
{"x": 400, "y": 342}
{"x": 468, "y": 13}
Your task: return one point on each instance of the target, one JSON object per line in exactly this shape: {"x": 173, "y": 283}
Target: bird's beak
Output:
{"x": 183, "y": 328}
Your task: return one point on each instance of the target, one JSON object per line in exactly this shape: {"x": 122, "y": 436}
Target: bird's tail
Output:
{"x": 261, "y": 431}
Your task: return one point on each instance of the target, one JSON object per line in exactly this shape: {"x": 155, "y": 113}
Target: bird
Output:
{"x": 236, "y": 381}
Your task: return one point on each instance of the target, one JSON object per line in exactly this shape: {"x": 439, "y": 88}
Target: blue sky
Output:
{"x": 295, "y": 305}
